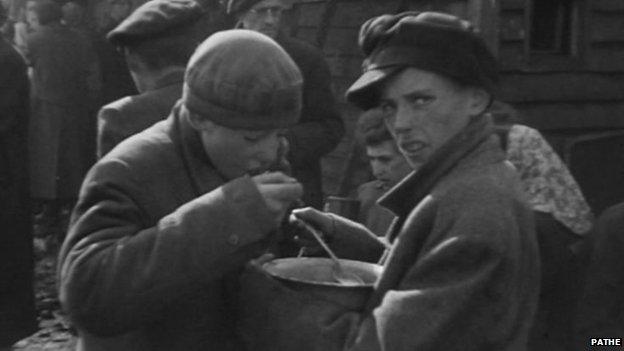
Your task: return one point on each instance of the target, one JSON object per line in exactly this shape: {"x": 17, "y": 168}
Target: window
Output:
{"x": 553, "y": 27}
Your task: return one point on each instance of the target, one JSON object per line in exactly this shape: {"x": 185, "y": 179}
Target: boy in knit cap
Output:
{"x": 157, "y": 40}
{"x": 320, "y": 128}
{"x": 167, "y": 219}
{"x": 462, "y": 267}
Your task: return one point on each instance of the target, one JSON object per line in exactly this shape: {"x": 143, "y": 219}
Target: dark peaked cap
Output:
{"x": 154, "y": 19}
{"x": 431, "y": 41}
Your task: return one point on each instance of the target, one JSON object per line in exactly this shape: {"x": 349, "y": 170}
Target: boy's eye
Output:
{"x": 420, "y": 100}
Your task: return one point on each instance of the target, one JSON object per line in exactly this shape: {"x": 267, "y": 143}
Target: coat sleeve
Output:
{"x": 457, "y": 295}
{"x": 118, "y": 273}
{"x": 321, "y": 127}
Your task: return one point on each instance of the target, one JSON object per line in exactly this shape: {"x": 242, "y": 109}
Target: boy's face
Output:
{"x": 236, "y": 152}
{"x": 423, "y": 110}
{"x": 387, "y": 163}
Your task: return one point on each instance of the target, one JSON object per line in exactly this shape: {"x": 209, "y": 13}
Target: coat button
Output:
{"x": 233, "y": 239}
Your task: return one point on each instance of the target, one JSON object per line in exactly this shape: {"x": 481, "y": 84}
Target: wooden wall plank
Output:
{"x": 606, "y": 58}
{"x": 607, "y": 27}
{"x": 562, "y": 87}
{"x": 307, "y": 34}
{"x": 511, "y": 26}
{"x": 572, "y": 115}
{"x": 348, "y": 67}
{"x": 607, "y": 5}
{"x": 513, "y": 4}
{"x": 354, "y": 13}
{"x": 342, "y": 41}
{"x": 310, "y": 13}
{"x": 511, "y": 56}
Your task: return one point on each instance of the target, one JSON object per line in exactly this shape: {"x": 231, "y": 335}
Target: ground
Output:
{"x": 54, "y": 332}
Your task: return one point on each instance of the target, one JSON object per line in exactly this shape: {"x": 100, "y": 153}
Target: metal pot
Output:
{"x": 315, "y": 276}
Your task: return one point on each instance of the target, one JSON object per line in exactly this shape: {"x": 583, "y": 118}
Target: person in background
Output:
{"x": 462, "y": 270}
{"x": 563, "y": 223}
{"x": 601, "y": 306}
{"x": 61, "y": 135}
{"x": 25, "y": 23}
{"x": 157, "y": 40}
{"x": 17, "y": 301}
{"x": 321, "y": 127}
{"x": 388, "y": 166}
{"x": 75, "y": 17}
{"x": 168, "y": 218}
{"x": 115, "y": 76}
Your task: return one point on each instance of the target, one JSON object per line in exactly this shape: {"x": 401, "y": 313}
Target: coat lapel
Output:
{"x": 408, "y": 193}
{"x": 203, "y": 174}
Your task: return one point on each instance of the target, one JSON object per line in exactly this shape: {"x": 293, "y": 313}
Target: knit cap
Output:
{"x": 242, "y": 79}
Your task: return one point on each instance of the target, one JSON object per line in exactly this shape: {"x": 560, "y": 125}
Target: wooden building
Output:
{"x": 562, "y": 65}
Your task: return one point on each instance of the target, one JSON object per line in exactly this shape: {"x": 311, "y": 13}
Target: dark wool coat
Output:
{"x": 155, "y": 243}
{"x": 17, "y": 307}
{"x": 601, "y": 307}
{"x": 376, "y": 218}
{"x": 320, "y": 128}
{"x": 62, "y": 128}
{"x": 462, "y": 273}
{"x": 132, "y": 114}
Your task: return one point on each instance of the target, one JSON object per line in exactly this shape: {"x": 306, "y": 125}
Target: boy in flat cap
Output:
{"x": 321, "y": 127}
{"x": 166, "y": 219}
{"x": 462, "y": 272}
{"x": 157, "y": 40}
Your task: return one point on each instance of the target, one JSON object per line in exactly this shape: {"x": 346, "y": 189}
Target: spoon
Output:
{"x": 338, "y": 273}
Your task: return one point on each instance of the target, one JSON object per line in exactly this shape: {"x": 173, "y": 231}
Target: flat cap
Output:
{"x": 431, "y": 41}
{"x": 156, "y": 18}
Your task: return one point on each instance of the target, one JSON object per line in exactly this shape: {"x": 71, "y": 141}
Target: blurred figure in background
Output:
{"x": 115, "y": 76}
{"x": 388, "y": 166}
{"x": 601, "y": 308}
{"x": 563, "y": 220}
{"x": 17, "y": 307}
{"x": 61, "y": 129}
{"x": 320, "y": 128}
{"x": 157, "y": 40}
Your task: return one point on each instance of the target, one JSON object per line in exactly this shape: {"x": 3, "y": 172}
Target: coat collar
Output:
{"x": 455, "y": 154}
{"x": 204, "y": 176}
{"x": 175, "y": 77}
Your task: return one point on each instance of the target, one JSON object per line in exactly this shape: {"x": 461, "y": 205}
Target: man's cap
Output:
{"x": 431, "y": 41}
{"x": 242, "y": 79}
{"x": 156, "y": 18}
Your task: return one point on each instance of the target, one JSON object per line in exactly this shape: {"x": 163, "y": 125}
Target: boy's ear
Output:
{"x": 480, "y": 101}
